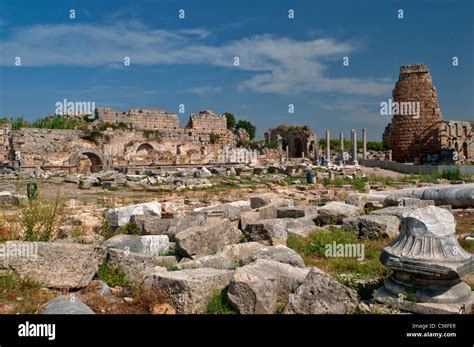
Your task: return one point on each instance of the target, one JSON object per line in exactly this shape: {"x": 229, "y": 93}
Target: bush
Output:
{"x": 375, "y": 146}
{"x": 244, "y": 124}
{"x": 273, "y": 144}
{"x": 56, "y": 122}
{"x": 230, "y": 120}
{"x": 19, "y": 123}
{"x": 40, "y": 219}
{"x": 451, "y": 174}
{"x": 214, "y": 138}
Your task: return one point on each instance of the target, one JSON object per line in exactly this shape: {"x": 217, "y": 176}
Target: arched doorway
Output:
{"x": 86, "y": 160}
{"x": 89, "y": 162}
{"x": 297, "y": 148}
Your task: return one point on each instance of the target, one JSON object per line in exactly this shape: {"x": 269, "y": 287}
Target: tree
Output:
{"x": 231, "y": 122}
{"x": 244, "y": 124}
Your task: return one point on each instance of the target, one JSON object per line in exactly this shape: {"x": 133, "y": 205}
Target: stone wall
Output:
{"x": 458, "y": 135}
{"x": 45, "y": 146}
{"x": 151, "y": 137}
{"x": 207, "y": 123}
{"x": 5, "y": 133}
{"x": 142, "y": 119}
{"x": 415, "y": 169}
{"x": 413, "y": 138}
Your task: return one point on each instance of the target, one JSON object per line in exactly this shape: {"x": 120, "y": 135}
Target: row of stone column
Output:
{"x": 354, "y": 160}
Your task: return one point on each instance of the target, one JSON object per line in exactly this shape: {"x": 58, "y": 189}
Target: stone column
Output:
{"x": 328, "y": 148}
{"x": 364, "y": 143}
{"x": 354, "y": 147}
{"x": 287, "y": 153}
{"x": 341, "y": 148}
{"x": 316, "y": 150}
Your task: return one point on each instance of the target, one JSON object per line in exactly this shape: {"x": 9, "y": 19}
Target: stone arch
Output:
{"x": 97, "y": 161}
{"x": 143, "y": 153}
{"x": 145, "y": 147}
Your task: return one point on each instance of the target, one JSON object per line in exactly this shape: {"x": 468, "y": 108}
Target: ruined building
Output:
{"x": 425, "y": 137}
{"x": 298, "y": 141}
{"x": 114, "y": 139}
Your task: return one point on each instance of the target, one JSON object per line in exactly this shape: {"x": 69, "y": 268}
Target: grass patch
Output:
{"x": 130, "y": 228}
{"x": 219, "y": 304}
{"x": 451, "y": 174}
{"x": 312, "y": 250}
{"x": 19, "y": 295}
{"x": 113, "y": 276}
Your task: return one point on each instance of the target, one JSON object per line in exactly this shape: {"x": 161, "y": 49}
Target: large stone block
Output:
{"x": 189, "y": 291}
{"x": 120, "y": 216}
{"x": 205, "y": 240}
{"x": 53, "y": 264}
{"x": 262, "y": 286}
{"x": 335, "y": 212}
{"x": 66, "y": 304}
{"x": 319, "y": 293}
{"x": 147, "y": 244}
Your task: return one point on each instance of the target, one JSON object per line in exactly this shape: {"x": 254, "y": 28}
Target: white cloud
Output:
{"x": 205, "y": 90}
{"x": 279, "y": 65}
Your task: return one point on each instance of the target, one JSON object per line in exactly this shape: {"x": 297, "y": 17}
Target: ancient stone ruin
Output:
{"x": 296, "y": 141}
{"x": 424, "y": 136}
{"x": 114, "y": 139}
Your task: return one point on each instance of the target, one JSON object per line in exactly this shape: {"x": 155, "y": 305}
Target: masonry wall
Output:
{"x": 141, "y": 119}
{"x": 458, "y": 135}
{"x": 5, "y": 134}
{"x": 206, "y": 122}
{"x": 44, "y": 146}
{"x": 411, "y": 138}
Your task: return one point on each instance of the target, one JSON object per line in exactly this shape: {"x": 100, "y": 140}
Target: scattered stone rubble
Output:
{"x": 238, "y": 248}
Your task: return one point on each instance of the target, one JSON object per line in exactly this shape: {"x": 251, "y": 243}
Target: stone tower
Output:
{"x": 412, "y": 138}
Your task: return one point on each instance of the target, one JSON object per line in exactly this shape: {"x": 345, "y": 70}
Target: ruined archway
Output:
{"x": 146, "y": 147}
{"x": 88, "y": 160}
{"x": 297, "y": 149}
{"x": 144, "y": 154}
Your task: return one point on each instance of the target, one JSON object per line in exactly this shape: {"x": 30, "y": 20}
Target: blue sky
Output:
{"x": 190, "y": 61}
